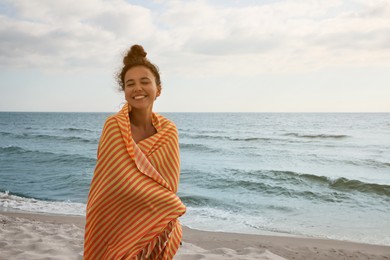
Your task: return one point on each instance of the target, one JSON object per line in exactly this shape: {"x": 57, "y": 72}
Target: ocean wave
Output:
{"x": 197, "y": 201}
{"x": 220, "y": 137}
{"x": 51, "y": 137}
{"x": 6, "y": 134}
{"x": 340, "y": 184}
{"x": 355, "y": 185}
{"x": 12, "y": 149}
{"x": 368, "y": 162}
{"x": 249, "y": 139}
{"x": 41, "y": 156}
{"x": 218, "y": 219}
{"x": 74, "y": 129}
{"x": 196, "y": 147}
{"x": 203, "y": 136}
{"x": 272, "y": 189}
{"x": 318, "y": 136}
{"x": 13, "y": 201}
{"x": 280, "y": 208}
{"x": 191, "y": 130}
{"x": 63, "y": 138}
{"x": 285, "y": 183}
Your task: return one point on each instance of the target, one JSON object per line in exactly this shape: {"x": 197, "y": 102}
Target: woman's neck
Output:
{"x": 141, "y": 118}
{"x": 141, "y": 125}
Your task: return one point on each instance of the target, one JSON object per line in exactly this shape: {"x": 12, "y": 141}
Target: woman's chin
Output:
{"x": 140, "y": 106}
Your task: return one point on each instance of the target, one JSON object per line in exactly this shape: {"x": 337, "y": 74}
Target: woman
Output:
{"x": 133, "y": 209}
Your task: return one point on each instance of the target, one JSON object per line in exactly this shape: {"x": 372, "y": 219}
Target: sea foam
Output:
{"x": 14, "y": 202}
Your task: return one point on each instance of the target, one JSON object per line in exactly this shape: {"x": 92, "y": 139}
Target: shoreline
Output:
{"x": 35, "y": 235}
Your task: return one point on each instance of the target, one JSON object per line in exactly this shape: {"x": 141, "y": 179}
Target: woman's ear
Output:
{"x": 158, "y": 91}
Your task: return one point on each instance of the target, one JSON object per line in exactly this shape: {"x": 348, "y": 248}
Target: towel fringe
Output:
{"x": 154, "y": 250}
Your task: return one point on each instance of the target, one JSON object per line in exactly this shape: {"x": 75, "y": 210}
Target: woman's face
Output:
{"x": 140, "y": 88}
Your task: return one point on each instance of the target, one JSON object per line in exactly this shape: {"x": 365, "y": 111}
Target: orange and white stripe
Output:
{"x": 133, "y": 209}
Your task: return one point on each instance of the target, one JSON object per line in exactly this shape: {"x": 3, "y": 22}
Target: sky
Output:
{"x": 214, "y": 56}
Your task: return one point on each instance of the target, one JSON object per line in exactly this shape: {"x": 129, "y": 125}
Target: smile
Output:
{"x": 139, "y": 97}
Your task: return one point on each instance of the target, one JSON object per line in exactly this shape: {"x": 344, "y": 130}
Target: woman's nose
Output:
{"x": 137, "y": 86}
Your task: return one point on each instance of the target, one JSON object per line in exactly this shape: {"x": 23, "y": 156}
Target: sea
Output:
{"x": 320, "y": 175}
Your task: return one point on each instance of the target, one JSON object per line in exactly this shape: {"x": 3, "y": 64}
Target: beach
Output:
{"x": 270, "y": 186}
{"x": 44, "y": 236}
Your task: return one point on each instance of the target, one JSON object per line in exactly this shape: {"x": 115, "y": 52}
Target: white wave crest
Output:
{"x": 13, "y": 202}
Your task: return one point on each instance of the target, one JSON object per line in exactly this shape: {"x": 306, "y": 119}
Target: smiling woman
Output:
{"x": 140, "y": 89}
{"x": 133, "y": 209}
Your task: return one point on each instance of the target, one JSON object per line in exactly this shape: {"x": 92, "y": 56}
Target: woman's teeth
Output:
{"x": 139, "y": 97}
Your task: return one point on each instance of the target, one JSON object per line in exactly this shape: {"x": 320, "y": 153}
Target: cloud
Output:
{"x": 196, "y": 37}
{"x": 280, "y": 37}
{"x": 70, "y": 34}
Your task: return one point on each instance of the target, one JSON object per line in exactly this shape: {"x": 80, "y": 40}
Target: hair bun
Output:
{"x": 136, "y": 52}
{"x": 136, "y": 56}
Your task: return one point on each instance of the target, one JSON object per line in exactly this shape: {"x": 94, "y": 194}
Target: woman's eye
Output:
{"x": 130, "y": 85}
{"x": 144, "y": 82}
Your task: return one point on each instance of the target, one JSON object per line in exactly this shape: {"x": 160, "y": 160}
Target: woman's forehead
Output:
{"x": 138, "y": 72}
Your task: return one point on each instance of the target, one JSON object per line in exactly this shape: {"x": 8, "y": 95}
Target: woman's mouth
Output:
{"x": 139, "y": 97}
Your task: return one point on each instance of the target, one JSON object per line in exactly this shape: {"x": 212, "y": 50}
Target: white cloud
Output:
{"x": 285, "y": 36}
{"x": 197, "y": 37}
{"x": 70, "y": 34}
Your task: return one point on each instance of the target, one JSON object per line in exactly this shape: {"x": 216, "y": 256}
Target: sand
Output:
{"x": 39, "y": 236}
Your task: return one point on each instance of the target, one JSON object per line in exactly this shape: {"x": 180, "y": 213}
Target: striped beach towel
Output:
{"x": 133, "y": 209}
